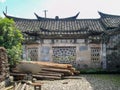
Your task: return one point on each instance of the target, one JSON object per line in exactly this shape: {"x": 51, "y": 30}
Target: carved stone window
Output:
{"x": 33, "y": 54}
{"x": 64, "y": 54}
{"x": 95, "y": 54}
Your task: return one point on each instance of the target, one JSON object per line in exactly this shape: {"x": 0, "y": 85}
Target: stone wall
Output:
{"x": 78, "y": 54}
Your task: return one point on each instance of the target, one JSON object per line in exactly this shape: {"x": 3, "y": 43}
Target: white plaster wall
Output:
{"x": 82, "y": 57}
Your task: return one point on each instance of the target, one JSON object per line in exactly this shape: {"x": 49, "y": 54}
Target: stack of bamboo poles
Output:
{"x": 4, "y": 66}
{"x": 20, "y": 86}
{"x": 25, "y": 85}
{"x": 45, "y": 70}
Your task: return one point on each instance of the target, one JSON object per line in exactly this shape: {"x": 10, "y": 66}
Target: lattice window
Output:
{"x": 95, "y": 54}
{"x": 64, "y": 54}
{"x": 33, "y": 54}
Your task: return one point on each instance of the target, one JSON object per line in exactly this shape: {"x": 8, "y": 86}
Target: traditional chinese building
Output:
{"x": 112, "y": 41}
{"x": 66, "y": 40}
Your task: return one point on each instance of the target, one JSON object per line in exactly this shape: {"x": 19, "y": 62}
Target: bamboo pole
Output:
{"x": 9, "y": 88}
{"x": 27, "y": 87}
{"x": 17, "y": 87}
{"x": 49, "y": 74}
{"x": 45, "y": 77}
{"x": 23, "y": 87}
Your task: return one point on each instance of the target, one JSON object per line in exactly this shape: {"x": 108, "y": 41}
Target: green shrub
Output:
{"x": 11, "y": 38}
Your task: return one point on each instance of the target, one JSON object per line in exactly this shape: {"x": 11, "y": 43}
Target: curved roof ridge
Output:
{"x": 42, "y": 18}
{"x": 73, "y": 17}
{"x": 12, "y": 17}
{"x": 107, "y": 15}
{"x": 68, "y": 18}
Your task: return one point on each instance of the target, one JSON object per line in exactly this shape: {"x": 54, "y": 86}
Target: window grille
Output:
{"x": 33, "y": 54}
{"x": 65, "y": 54}
{"x": 95, "y": 54}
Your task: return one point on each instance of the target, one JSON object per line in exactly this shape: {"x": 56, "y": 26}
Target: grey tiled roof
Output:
{"x": 110, "y": 21}
{"x": 67, "y": 25}
{"x": 60, "y": 25}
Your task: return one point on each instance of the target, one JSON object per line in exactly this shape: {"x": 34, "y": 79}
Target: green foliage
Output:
{"x": 11, "y": 38}
{"x": 91, "y": 71}
{"x": 97, "y": 71}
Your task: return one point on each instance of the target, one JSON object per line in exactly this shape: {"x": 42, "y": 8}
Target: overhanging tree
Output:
{"x": 11, "y": 38}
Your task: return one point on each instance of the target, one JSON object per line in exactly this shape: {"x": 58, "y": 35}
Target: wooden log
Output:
{"x": 50, "y": 74}
{"x": 17, "y": 74}
{"x": 65, "y": 71}
{"x": 18, "y": 86}
{"x": 27, "y": 87}
{"x": 15, "y": 85}
{"x": 23, "y": 87}
{"x": 45, "y": 77}
{"x": 72, "y": 70}
{"x": 49, "y": 64}
{"x": 9, "y": 88}
{"x": 77, "y": 72}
